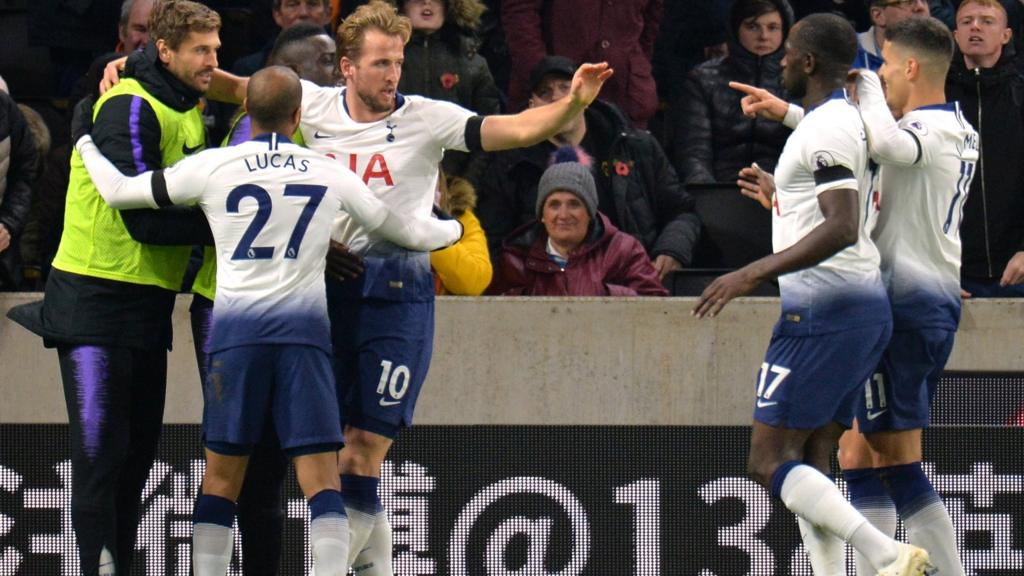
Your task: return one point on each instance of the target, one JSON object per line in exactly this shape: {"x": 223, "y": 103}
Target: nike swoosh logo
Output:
{"x": 187, "y": 151}
{"x": 384, "y": 402}
{"x": 763, "y": 404}
{"x": 873, "y": 415}
{"x": 317, "y": 134}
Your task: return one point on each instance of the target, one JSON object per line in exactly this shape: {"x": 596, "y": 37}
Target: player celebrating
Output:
{"x": 835, "y": 315}
{"x": 270, "y": 205}
{"x": 382, "y": 324}
{"x": 927, "y": 163}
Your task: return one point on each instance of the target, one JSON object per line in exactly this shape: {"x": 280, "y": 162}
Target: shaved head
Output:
{"x": 273, "y": 97}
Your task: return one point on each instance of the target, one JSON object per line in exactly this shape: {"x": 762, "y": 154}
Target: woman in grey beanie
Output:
{"x": 572, "y": 249}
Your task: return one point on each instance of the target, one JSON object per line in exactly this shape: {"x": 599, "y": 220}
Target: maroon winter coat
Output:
{"x": 620, "y": 32}
{"x": 610, "y": 263}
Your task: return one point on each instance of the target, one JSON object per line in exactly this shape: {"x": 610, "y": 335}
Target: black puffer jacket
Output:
{"x": 992, "y": 100}
{"x": 637, "y": 187}
{"x": 713, "y": 137}
{"x": 445, "y": 65}
{"x": 18, "y": 169}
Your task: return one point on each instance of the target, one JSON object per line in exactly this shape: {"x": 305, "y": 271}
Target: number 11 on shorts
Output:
{"x": 393, "y": 383}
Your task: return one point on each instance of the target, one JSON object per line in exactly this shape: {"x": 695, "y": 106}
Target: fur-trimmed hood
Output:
{"x": 460, "y": 196}
{"x": 464, "y": 14}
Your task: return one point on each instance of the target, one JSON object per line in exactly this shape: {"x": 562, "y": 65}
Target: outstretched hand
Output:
{"x": 587, "y": 82}
{"x": 757, "y": 184}
{"x": 760, "y": 102}
{"x": 723, "y": 289}
{"x": 112, "y": 74}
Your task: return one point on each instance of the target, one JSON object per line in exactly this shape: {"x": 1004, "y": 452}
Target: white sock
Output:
{"x": 932, "y": 529}
{"x": 211, "y": 549}
{"x": 360, "y": 524}
{"x": 882, "y": 515}
{"x": 826, "y": 551}
{"x": 376, "y": 555}
{"x": 812, "y": 496}
{"x": 329, "y": 539}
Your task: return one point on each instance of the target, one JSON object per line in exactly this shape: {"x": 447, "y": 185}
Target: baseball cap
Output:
{"x": 551, "y": 65}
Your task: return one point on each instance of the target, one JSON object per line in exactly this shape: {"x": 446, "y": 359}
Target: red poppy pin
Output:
{"x": 621, "y": 168}
{"x": 449, "y": 80}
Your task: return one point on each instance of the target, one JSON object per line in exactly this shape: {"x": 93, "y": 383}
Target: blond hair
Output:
{"x": 173, "y": 20}
{"x": 377, "y": 14}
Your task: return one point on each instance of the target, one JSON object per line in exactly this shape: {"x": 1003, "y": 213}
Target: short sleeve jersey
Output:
{"x": 827, "y": 151}
{"x": 918, "y": 232}
{"x": 397, "y": 157}
{"x": 270, "y": 205}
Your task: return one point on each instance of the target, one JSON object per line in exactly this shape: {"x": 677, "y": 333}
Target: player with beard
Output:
{"x": 383, "y": 322}
{"x": 109, "y": 298}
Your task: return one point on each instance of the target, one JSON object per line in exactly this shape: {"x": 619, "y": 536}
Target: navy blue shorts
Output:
{"x": 382, "y": 352}
{"x": 899, "y": 394}
{"x": 293, "y": 383}
{"x": 807, "y": 382}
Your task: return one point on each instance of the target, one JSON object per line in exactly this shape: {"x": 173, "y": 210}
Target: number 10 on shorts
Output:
{"x": 764, "y": 395}
{"x": 393, "y": 383}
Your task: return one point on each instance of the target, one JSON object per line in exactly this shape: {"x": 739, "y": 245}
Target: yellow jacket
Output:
{"x": 465, "y": 268}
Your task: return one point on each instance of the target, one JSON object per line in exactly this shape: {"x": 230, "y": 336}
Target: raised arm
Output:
{"x": 534, "y": 125}
{"x": 760, "y": 102}
{"x": 888, "y": 143}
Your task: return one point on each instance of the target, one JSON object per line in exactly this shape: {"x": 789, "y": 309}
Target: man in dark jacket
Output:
{"x": 984, "y": 79}
{"x": 637, "y": 187}
{"x": 18, "y": 167}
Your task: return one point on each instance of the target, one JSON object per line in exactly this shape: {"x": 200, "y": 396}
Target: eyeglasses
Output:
{"x": 903, "y": 3}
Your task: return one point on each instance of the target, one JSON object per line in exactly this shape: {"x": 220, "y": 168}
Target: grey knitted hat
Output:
{"x": 568, "y": 172}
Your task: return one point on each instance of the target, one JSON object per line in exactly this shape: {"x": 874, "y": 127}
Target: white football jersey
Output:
{"x": 827, "y": 151}
{"x": 918, "y": 232}
{"x": 396, "y": 157}
{"x": 270, "y": 205}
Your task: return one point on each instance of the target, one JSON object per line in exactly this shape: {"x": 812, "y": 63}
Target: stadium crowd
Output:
{"x": 667, "y": 126}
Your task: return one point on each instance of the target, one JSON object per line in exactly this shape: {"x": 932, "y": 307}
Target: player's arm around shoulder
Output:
{"x": 888, "y": 144}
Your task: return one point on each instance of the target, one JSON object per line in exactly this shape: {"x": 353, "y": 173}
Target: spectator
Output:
{"x": 884, "y": 13}
{"x": 572, "y": 249}
{"x": 133, "y": 28}
{"x": 286, "y": 13}
{"x": 638, "y": 190}
{"x": 463, "y": 269}
{"x": 714, "y": 140}
{"x": 32, "y": 235}
{"x": 442, "y": 63}
{"x": 621, "y": 33}
{"x": 19, "y": 162}
{"x": 984, "y": 79}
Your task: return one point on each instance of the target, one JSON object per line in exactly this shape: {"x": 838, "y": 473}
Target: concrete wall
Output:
{"x": 594, "y": 361}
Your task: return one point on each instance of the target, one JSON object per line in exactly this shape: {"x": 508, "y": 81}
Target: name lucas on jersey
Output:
{"x": 275, "y": 160}
{"x": 376, "y": 167}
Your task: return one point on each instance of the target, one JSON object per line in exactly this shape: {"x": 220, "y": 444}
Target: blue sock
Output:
{"x": 780, "y": 476}
{"x": 866, "y": 488}
{"x": 910, "y": 488}
{"x": 326, "y": 502}
{"x": 214, "y": 510}
{"x": 360, "y": 492}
